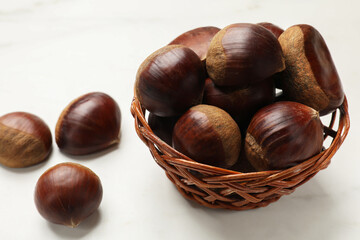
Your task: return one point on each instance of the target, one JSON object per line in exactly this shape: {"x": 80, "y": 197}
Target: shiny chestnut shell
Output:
{"x": 25, "y": 140}
{"x": 197, "y": 39}
{"x": 88, "y": 124}
{"x": 68, "y": 193}
{"x": 170, "y": 81}
{"x": 276, "y": 30}
{"x": 277, "y": 78}
{"x": 311, "y": 77}
{"x": 208, "y": 135}
{"x": 243, "y": 54}
{"x": 282, "y": 135}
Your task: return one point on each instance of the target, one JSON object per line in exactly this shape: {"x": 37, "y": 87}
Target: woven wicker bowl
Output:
{"x": 220, "y": 188}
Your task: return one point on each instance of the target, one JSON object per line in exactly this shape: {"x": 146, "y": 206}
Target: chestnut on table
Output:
{"x": 25, "y": 140}
{"x": 88, "y": 124}
{"x": 68, "y": 193}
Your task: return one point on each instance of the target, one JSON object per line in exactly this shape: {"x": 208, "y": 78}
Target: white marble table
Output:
{"x": 52, "y": 51}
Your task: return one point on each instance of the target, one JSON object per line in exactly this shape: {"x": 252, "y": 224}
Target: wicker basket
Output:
{"x": 220, "y": 188}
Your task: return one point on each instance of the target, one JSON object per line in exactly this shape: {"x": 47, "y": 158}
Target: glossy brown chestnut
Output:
{"x": 277, "y": 31}
{"x": 243, "y": 54}
{"x": 311, "y": 76}
{"x": 208, "y": 135}
{"x": 162, "y": 127}
{"x": 170, "y": 81}
{"x": 25, "y": 140}
{"x": 240, "y": 103}
{"x": 88, "y": 124}
{"x": 283, "y": 135}
{"x": 197, "y": 39}
{"x": 68, "y": 193}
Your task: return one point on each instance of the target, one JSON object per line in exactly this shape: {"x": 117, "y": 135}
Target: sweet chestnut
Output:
{"x": 89, "y": 124}
{"x": 68, "y": 193}
{"x": 282, "y": 135}
{"x": 311, "y": 77}
{"x": 170, "y": 81}
{"x": 243, "y": 54}
{"x": 208, "y": 134}
{"x": 25, "y": 140}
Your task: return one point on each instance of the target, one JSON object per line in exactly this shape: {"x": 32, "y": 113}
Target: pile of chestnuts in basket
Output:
{"x": 249, "y": 93}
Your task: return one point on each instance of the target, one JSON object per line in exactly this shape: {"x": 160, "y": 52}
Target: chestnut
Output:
{"x": 88, "y": 124}
{"x": 25, "y": 140}
{"x": 311, "y": 77}
{"x": 282, "y": 135}
{"x": 170, "y": 81}
{"x": 162, "y": 127}
{"x": 68, "y": 193}
{"x": 208, "y": 134}
{"x": 240, "y": 103}
{"x": 197, "y": 39}
{"x": 277, "y": 31}
{"x": 243, "y": 54}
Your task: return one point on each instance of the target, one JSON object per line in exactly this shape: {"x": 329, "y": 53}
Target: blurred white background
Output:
{"x": 52, "y": 51}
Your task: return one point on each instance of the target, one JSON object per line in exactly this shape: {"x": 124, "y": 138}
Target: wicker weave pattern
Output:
{"x": 220, "y": 188}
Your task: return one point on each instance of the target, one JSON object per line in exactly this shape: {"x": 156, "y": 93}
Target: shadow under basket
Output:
{"x": 215, "y": 187}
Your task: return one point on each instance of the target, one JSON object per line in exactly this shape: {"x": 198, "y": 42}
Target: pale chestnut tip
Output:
{"x": 25, "y": 140}
{"x": 89, "y": 124}
{"x": 67, "y": 194}
{"x": 74, "y": 223}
